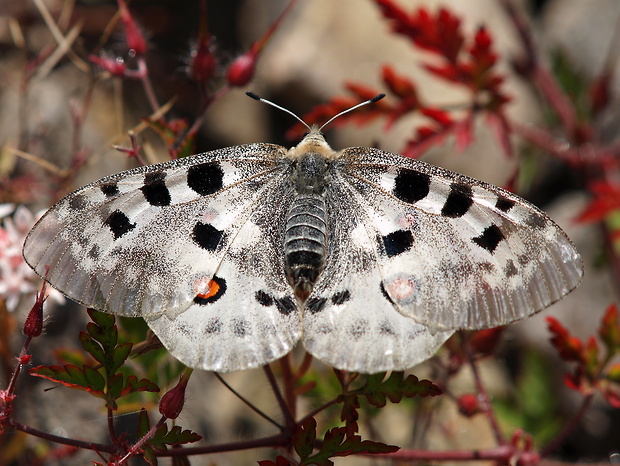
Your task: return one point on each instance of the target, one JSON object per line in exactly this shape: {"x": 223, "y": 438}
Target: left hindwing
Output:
{"x": 455, "y": 252}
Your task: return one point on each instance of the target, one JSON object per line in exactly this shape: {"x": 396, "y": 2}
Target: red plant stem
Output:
{"x": 246, "y": 401}
{"x": 502, "y": 453}
{"x": 143, "y": 73}
{"x": 111, "y": 426}
{"x": 546, "y": 83}
{"x": 483, "y": 396}
{"x": 274, "y": 441}
{"x": 18, "y": 368}
{"x": 290, "y": 422}
{"x": 138, "y": 445}
{"x": 568, "y": 428}
{"x": 289, "y": 381}
{"x": 62, "y": 440}
{"x": 318, "y": 410}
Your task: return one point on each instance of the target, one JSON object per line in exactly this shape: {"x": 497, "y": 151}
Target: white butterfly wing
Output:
{"x": 250, "y": 316}
{"x": 140, "y": 242}
{"x": 348, "y": 322}
{"x": 454, "y": 252}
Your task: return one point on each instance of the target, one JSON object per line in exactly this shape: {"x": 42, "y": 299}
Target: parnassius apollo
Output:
{"x": 371, "y": 259}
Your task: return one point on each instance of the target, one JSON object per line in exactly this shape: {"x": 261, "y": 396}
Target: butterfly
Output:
{"x": 370, "y": 259}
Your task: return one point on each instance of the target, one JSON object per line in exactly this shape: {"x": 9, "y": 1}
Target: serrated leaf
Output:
{"x": 115, "y": 385}
{"x": 304, "y": 437}
{"x": 174, "y": 436}
{"x": 133, "y": 385}
{"x": 376, "y": 390}
{"x": 68, "y": 375}
{"x": 144, "y": 424}
{"x": 120, "y": 355}
{"x": 336, "y": 443}
{"x": 92, "y": 347}
{"x": 94, "y": 378}
{"x": 101, "y": 319}
{"x": 349, "y": 413}
{"x": 105, "y": 334}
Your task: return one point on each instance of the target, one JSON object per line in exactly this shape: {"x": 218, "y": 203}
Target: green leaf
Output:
{"x": 103, "y": 330}
{"x": 119, "y": 356}
{"x": 336, "y": 443}
{"x": 115, "y": 386}
{"x": 92, "y": 347}
{"x": 175, "y": 436}
{"x": 69, "y": 376}
{"x": 304, "y": 437}
{"x": 376, "y": 390}
{"x": 94, "y": 378}
{"x": 133, "y": 385}
{"x": 144, "y": 424}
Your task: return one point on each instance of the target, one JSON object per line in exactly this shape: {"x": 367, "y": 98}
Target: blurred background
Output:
{"x": 64, "y": 105}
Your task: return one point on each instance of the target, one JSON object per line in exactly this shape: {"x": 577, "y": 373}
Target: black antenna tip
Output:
{"x": 254, "y": 96}
{"x": 376, "y": 98}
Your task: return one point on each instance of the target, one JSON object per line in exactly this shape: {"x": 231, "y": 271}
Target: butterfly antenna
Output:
{"x": 369, "y": 101}
{"x": 260, "y": 99}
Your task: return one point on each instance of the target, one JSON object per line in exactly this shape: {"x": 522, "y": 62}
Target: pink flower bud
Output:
{"x": 173, "y": 400}
{"x": 241, "y": 71}
{"x": 133, "y": 34}
{"x": 203, "y": 63}
{"x": 114, "y": 67}
{"x": 468, "y": 404}
{"x": 34, "y": 322}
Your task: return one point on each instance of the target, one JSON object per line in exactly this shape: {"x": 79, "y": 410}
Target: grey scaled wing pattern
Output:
{"x": 371, "y": 259}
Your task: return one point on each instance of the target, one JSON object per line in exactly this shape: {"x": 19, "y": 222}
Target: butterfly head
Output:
{"x": 313, "y": 142}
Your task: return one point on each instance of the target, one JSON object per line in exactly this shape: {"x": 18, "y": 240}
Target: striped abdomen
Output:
{"x": 305, "y": 242}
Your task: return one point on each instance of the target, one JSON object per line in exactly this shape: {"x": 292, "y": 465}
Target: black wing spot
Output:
{"x": 240, "y": 327}
{"x": 411, "y": 186}
{"x": 155, "y": 190}
{"x": 459, "y": 201}
{"x": 535, "y": 220}
{"x": 119, "y": 224}
{"x": 504, "y": 204}
{"x": 341, "y": 297}
{"x": 207, "y": 236}
{"x": 510, "y": 270}
{"x": 109, "y": 189}
{"x": 316, "y": 305}
{"x": 205, "y": 178}
{"x": 263, "y": 298}
{"x": 78, "y": 202}
{"x": 285, "y": 305}
{"x": 214, "y": 326}
{"x": 397, "y": 242}
{"x": 490, "y": 238}
{"x": 385, "y": 328}
{"x": 358, "y": 328}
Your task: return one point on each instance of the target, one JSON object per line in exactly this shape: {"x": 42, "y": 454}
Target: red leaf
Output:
{"x": 606, "y": 201}
{"x": 485, "y": 341}
{"x": 609, "y": 330}
{"x": 570, "y": 348}
{"x": 500, "y": 127}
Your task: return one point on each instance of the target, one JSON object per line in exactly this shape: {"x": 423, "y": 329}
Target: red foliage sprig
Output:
{"x": 468, "y": 63}
{"x": 593, "y": 371}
